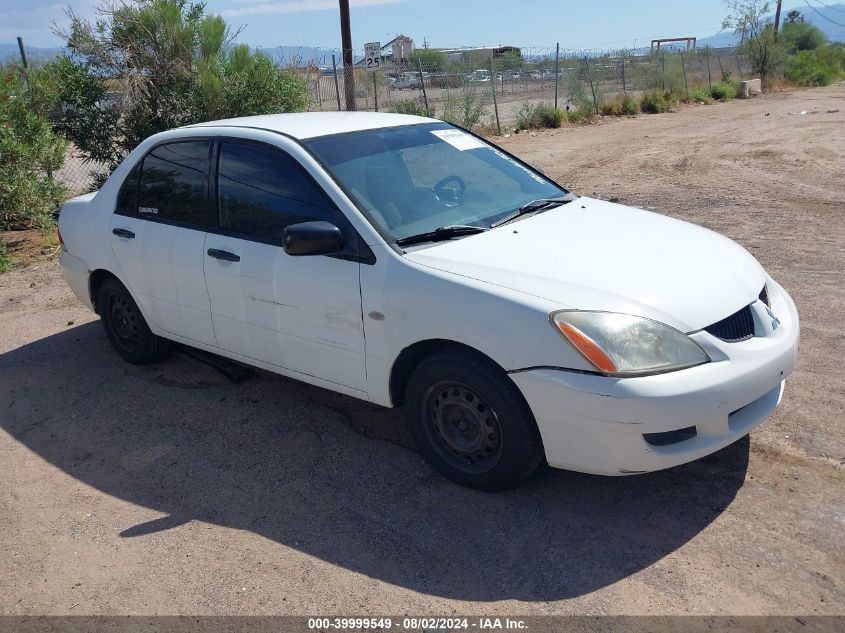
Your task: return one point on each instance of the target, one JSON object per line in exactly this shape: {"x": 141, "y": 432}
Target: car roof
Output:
{"x": 303, "y": 125}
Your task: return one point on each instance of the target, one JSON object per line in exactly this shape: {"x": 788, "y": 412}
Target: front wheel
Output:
{"x": 125, "y": 326}
{"x": 470, "y": 421}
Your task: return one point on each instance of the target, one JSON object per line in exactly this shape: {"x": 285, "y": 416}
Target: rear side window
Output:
{"x": 172, "y": 185}
{"x": 127, "y": 198}
{"x": 261, "y": 190}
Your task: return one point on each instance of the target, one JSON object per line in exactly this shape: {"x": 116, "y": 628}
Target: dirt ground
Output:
{"x": 170, "y": 490}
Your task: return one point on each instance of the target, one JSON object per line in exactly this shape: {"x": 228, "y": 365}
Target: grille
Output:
{"x": 764, "y": 296}
{"x": 737, "y": 327}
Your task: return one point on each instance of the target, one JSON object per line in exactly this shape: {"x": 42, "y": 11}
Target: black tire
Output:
{"x": 125, "y": 326}
{"x": 470, "y": 421}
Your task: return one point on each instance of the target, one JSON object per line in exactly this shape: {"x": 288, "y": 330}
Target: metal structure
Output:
{"x": 690, "y": 41}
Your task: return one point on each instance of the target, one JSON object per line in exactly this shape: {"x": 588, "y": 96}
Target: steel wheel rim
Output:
{"x": 124, "y": 322}
{"x": 463, "y": 427}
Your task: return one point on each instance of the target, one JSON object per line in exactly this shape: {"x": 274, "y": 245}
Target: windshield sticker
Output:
{"x": 458, "y": 140}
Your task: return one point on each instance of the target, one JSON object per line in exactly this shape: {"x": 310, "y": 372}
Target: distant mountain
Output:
{"x": 33, "y": 53}
{"x": 284, "y": 55}
{"x": 825, "y": 20}
{"x": 830, "y": 19}
{"x": 301, "y": 55}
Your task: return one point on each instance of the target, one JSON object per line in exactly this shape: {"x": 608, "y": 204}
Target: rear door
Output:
{"x": 158, "y": 233}
{"x": 300, "y": 313}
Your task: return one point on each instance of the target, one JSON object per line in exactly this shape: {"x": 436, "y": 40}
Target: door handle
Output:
{"x": 123, "y": 233}
{"x": 216, "y": 253}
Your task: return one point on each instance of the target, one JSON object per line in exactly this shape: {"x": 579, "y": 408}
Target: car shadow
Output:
{"x": 334, "y": 477}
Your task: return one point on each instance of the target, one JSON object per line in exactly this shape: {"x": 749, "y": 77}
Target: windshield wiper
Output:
{"x": 441, "y": 233}
{"x": 533, "y": 206}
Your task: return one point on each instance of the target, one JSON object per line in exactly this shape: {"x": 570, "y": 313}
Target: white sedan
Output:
{"x": 406, "y": 262}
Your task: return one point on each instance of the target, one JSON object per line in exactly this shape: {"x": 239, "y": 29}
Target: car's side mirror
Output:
{"x": 312, "y": 238}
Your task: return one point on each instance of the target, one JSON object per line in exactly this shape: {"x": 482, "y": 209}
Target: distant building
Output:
{"x": 480, "y": 54}
{"x": 401, "y": 48}
{"x": 395, "y": 52}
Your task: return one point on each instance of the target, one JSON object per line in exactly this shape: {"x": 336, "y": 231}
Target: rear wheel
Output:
{"x": 125, "y": 326}
{"x": 470, "y": 421}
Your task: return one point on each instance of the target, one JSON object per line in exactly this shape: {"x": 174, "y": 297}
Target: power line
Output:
{"x": 830, "y": 7}
{"x": 823, "y": 15}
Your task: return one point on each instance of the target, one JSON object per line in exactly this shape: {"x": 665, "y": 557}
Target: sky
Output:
{"x": 576, "y": 24}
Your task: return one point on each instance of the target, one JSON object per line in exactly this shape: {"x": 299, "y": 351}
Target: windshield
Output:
{"x": 415, "y": 179}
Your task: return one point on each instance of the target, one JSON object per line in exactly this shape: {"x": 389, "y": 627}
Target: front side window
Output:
{"x": 172, "y": 185}
{"x": 414, "y": 179}
{"x": 261, "y": 190}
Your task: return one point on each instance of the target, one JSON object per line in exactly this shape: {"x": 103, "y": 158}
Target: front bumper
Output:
{"x": 596, "y": 424}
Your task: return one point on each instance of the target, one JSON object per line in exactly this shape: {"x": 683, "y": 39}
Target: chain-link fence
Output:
{"x": 487, "y": 89}
{"x": 496, "y": 84}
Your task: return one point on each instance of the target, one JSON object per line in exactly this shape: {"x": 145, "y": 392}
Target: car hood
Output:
{"x": 596, "y": 255}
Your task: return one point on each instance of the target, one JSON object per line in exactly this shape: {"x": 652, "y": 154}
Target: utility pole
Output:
{"x": 777, "y": 18}
{"x": 346, "y": 43}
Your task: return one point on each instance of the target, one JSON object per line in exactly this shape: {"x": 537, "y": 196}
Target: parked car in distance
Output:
{"x": 407, "y": 80}
{"x": 406, "y": 262}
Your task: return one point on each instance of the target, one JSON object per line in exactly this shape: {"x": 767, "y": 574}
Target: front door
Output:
{"x": 299, "y": 313}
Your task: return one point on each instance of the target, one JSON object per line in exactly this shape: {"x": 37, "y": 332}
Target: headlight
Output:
{"x": 621, "y": 344}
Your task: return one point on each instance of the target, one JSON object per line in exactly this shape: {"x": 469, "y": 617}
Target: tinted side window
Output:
{"x": 261, "y": 190}
{"x": 127, "y": 197}
{"x": 173, "y": 183}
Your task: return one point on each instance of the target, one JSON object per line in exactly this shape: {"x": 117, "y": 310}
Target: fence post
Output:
{"x": 375, "y": 90}
{"x": 557, "y": 70}
{"x": 663, "y": 69}
{"x": 422, "y": 83}
{"x": 25, "y": 73}
{"x": 592, "y": 88}
{"x": 624, "y": 85}
{"x": 738, "y": 66}
{"x": 684, "y": 69}
{"x": 709, "y": 78}
{"x": 495, "y": 102}
{"x": 336, "y": 85}
{"x": 721, "y": 68}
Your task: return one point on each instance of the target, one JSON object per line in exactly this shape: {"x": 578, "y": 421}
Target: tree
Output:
{"x": 509, "y": 60}
{"x": 757, "y": 36}
{"x": 432, "y": 60}
{"x": 794, "y": 16}
{"x": 29, "y": 154}
{"x": 746, "y": 17}
{"x": 766, "y": 53}
{"x": 150, "y": 65}
{"x": 798, "y": 36}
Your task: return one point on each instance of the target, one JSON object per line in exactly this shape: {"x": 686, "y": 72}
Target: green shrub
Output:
{"x": 611, "y": 107}
{"x": 551, "y": 116}
{"x": 581, "y": 113}
{"x": 6, "y": 263}
{"x": 464, "y": 108}
{"x": 723, "y": 91}
{"x": 410, "y": 106}
{"x": 630, "y": 106}
{"x": 701, "y": 95}
{"x": 539, "y": 116}
{"x": 29, "y": 154}
{"x": 620, "y": 106}
{"x": 657, "y": 102}
{"x": 818, "y": 67}
{"x": 172, "y": 64}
